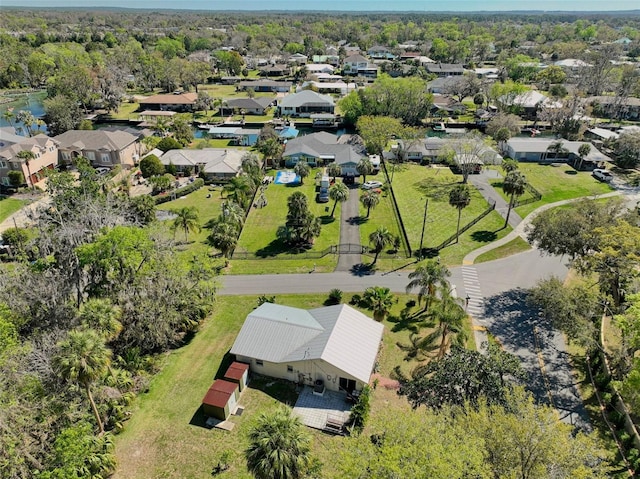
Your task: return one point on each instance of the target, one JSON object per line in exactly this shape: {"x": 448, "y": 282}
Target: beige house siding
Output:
{"x": 307, "y": 371}
{"x": 46, "y": 159}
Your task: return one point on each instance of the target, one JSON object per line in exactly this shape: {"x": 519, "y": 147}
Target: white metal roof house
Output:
{"x": 337, "y": 345}
{"x": 304, "y": 103}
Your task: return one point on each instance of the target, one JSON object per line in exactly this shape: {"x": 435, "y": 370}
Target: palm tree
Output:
{"x": 302, "y": 169}
{"x": 232, "y": 212}
{"x": 338, "y": 193}
{"x": 333, "y": 170}
{"x": 186, "y": 220}
{"x": 271, "y": 148}
{"x": 459, "y": 197}
{"x": 427, "y": 278}
{"x": 8, "y": 116}
{"x": 365, "y": 168}
{"x": 83, "y": 358}
{"x": 27, "y": 156}
{"x": 279, "y": 448}
{"x": 310, "y": 229}
{"x": 27, "y": 119}
{"x": 103, "y": 317}
{"x": 380, "y": 300}
{"x": 370, "y": 199}
{"x": 557, "y": 148}
{"x": 509, "y": 164}
{"x": 238, "y": 189}
{"x": 450, "y": 317}
{"x": 224, "y": 236}
{"x": 380, "y": 238}
{"x": 502, "y": 135}
{"x": 514, "y": 184}
{"x": 583, "y": 152}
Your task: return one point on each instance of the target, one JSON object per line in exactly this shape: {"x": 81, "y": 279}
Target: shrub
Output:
{"x": 360, "y": 411}
{"x": 150, "y": 166}
{"x": 16, "y": 178}
{"x": 335, "y": 297}
{"x": 263, "y": 298}
{"x": 355, "y": 300}
{"x": 180, "y": 192}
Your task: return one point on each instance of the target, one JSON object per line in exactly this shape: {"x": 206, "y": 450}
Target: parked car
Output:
{"x": 602, "y": 175}
{"x": 323, "y": 195}
{"x": 370, "y": 185}
{"x": 103, "y": 170}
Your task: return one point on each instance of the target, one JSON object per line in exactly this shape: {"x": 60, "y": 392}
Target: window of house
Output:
{"x": 66, "y": 156}
{"x": 105, "y": 158}
{"x": 289, "y": 369}
{"x": 5, "y": 181}
{"x": 3, "y": 164}
{"x": 259, "y": 362}
{"x": 90, "y": 155}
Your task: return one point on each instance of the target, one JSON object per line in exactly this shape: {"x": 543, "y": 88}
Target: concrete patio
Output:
{"x": 313, "y": 410}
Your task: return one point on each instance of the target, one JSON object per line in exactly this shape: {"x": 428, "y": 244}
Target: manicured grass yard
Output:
{"x": 160, "y": 442}
{"x": 412, "y": 184}
{"x": 556, "y": 183}
{"x": 9, "y": 206}
{"x": 259, "y": 233}
{"x": 208, "y": 208}
{"x": 516, "y": 245}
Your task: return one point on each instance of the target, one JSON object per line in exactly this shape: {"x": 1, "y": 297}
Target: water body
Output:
{"x": 30, "y": 102}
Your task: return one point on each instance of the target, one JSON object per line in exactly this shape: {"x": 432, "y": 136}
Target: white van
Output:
{"x": 325, "y": 182}
{"x": 602, "y": 175}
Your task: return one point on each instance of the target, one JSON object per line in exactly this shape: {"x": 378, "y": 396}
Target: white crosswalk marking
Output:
{"x": 475, "y": 303}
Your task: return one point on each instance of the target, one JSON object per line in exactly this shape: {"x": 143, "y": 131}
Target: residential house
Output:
{"x": 275, "y": 70}
{"x": 315, "y": 68}
{"x": 441, "y": 85}
{"x": 298, "y": 59}
{"x": 170, "y": 102}
{"x": 331, "y": 51}
{"x": 380, "y": 52}
{"x": 326, "y": 78}
{"x": 323, "y": 148}
{"x": 304, "y": 103}
{"x": 44, "y": 148}
{"x": 106, "y": 148}
{"x": 247, "y": 106}
{"x": 339, "y": 87}
{"x": 543, "y": 150}
{"x": 357, "y": 65}
{"x": 219, "y": 164}
{"x": 616, "y": 107}
{"x": 265, "y": 86}
{"x": 445, "y": 69}
{"x": 333, "y": 346}
{"x": 333, "y": 60}
{"x": 487, "y": 73}
{"x": 529, "y": 102}
{"x": 431, "y": 149}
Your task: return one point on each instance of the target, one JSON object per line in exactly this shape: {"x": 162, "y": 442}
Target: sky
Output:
{"x": 345, "y": 5}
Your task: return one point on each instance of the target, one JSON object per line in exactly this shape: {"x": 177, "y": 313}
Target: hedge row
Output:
{"x": 185, "y": 190}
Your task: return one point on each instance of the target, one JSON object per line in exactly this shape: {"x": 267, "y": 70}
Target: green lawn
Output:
{"x": 556, "y": 183}
{"x": 412, "y": 184}
{"x": 516, "y": 245}
{"x": 9, "y": 206}
{"x": 208, "y": 208}
{"x": 259, "y": 233}
{"x": 159, "y": 441}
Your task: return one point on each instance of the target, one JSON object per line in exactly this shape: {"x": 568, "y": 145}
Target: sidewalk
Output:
{"x": 481, "y": 182}
{"x": 520, "y": 228}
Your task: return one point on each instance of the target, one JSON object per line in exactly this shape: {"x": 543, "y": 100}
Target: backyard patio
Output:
{"x": 319, "y": 411}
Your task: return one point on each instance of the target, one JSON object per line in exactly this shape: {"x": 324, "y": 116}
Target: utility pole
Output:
{"x": 424, "y": 223}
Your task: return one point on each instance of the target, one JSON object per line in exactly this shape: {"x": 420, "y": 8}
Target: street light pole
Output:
{"x": 424, "y": 223}
{"x": 466, "y": 302}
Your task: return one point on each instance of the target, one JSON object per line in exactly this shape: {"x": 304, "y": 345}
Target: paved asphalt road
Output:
{"x": 505, "y": 313}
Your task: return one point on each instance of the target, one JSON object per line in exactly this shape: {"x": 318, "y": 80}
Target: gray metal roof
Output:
{"x": 305, "y": 98}
{"x": 339, "y": 335}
